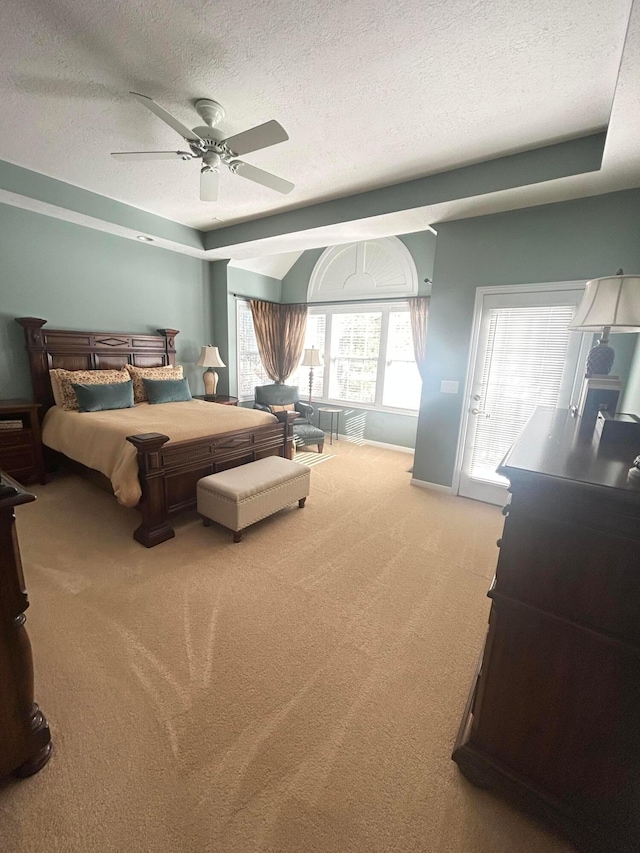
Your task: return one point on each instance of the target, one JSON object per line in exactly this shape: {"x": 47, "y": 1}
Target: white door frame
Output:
{"x": 481, "y": 292}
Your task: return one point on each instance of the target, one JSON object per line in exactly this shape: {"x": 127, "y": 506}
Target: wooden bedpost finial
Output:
{"x": 32, "y": 326}
{"x": 170, "y": 338}
{"x": 37, "y": 322}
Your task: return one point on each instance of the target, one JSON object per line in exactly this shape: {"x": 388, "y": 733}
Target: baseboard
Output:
{"x": 434, "y": 487}
{"x": 383, "y": 444}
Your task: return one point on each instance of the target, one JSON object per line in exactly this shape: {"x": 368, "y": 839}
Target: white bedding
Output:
{"x": 98, "y": 439}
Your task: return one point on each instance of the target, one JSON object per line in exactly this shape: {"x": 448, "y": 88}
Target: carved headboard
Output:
{"x": 72, "y": 350}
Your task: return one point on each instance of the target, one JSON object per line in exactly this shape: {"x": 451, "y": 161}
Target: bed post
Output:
{"x": 169, "y": 336}
{"x": 38, "y": 362}
{"x": 287, "y": 419}
{"x": 155, "y": 527}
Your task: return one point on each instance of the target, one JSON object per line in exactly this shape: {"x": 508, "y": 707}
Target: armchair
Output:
{"x": 304, "y": 432}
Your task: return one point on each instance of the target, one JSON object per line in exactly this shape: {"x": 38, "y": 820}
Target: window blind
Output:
{"x": 250, "y": 369}
{"x": 314, "y": 337}
{"x": 523, "y": 368}
{"x": 402, "y": 382}
{"x": 355, "y": 348}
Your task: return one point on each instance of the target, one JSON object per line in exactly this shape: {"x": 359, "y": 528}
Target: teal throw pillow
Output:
{"x": 102, "y": 398}
{"x": 167, "y": 390}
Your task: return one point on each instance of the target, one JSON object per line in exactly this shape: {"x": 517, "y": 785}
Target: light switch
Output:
{"x": 449, "y": 386}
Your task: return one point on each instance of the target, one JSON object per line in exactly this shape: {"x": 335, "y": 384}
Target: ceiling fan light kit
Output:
{"x": 206, "y": 143}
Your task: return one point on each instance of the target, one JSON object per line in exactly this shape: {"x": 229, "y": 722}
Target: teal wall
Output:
{"x": 569, "y": 241}
{"x": 226, "y": 281}
{"x": 385, "y": 427}
{"x": 79, "y": 278}
{"x": 295, "y": 284}
{"x": 16, "y": 179}
{"x": 220, "y": 308}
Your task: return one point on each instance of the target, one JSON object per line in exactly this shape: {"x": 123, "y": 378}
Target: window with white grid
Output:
{"x": 250, "y": 369}
{"x": 368, "y": 356}
{"x": 402, "y": 381}
{"x": 314, "y": 337}
{"x": 366, "y": 350}
{"x": 355, "y": 351}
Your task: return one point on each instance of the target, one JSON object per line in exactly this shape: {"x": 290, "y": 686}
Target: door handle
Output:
{"x": 480, "y": 412}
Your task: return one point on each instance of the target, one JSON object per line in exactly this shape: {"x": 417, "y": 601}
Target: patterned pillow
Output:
{"x": 66, "y": 378}
{"x": 288, "y": 407}
{"x": 140, "y": 373}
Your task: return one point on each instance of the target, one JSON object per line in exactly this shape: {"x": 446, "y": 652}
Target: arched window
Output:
{"x": 371, "y": 269}
{"x": 359, "y": 321}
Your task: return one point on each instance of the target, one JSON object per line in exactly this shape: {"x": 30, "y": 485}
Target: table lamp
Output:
{"x": 609, "y": 305}
{"x": 210, "y": 358}
{"x": 311, "y": 359}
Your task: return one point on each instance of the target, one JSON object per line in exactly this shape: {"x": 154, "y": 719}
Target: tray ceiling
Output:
{"x": 371, "y": 93}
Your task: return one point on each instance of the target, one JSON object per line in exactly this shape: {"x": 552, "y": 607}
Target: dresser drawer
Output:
{"x": 15, "y": 438}
{"x": 580, "y": 573}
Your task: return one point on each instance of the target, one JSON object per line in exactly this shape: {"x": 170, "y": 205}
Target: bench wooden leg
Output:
{"x": 301, "y": 502}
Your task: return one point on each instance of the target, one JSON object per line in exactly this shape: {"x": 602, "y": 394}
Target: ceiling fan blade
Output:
{"x": 152, "y": 155}
{"x": 166, "y": 117}
{"x": 252, "y": 173}
{"x": 209, "y": 179}
{"x": 261, "y": 136}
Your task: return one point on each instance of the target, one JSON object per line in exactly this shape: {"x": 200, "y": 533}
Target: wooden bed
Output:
{"x": 168, "y": 473}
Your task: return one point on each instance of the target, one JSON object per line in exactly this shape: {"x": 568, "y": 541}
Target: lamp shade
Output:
{"x": 612, "y": 302}
{"x": 210, "y": 357}
{"x": 311, "y": 358}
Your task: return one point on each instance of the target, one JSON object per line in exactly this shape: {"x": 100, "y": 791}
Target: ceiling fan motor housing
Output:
{"x": 212, "y": 113}
{"x": 211, "y": 160}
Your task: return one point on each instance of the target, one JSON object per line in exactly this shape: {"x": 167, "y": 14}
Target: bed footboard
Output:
{"x": 169, "y": 472}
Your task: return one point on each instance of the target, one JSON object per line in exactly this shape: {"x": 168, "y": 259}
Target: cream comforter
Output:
{"x": 97, "y": 439}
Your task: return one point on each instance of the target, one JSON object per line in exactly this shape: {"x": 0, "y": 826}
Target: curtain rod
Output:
{"x": 330, "y": 302}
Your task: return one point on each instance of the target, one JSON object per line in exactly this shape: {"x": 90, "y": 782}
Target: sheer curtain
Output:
{"x": 280, "y": 331}
{"x": 419, "y": 313}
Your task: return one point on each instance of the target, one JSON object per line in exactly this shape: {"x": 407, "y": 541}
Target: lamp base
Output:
{"x": 600, "y": 359}
{"x": 310, "y": 383}
{"x": 210, "y": 379}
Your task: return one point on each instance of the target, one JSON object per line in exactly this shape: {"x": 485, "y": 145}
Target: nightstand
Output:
{"x": 20, "y": 446}
{"x": 219, "y": 398}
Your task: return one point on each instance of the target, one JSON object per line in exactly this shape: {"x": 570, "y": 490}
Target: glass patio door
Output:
{"x": 525, "y": 357}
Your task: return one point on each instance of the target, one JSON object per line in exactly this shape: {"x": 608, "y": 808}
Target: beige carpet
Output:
{"x": 294, "y": 693}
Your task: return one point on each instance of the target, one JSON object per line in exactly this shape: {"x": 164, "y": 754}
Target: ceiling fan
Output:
{"x": 206, "y": 143}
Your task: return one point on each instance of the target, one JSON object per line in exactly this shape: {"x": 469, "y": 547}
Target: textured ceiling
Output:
{"x": 371, "y": 93}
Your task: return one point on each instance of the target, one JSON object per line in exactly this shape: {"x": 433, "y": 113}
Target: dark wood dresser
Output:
{"x": 25, "y": 742}
{"x": 553, "y": 719}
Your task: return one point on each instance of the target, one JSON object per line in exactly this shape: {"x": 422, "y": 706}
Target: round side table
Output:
{"x": 333, "y": 413}
{"x": 219, "y": 398}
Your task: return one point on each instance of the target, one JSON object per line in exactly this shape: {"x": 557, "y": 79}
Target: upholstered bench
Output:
{"x": 241, "y": 496}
